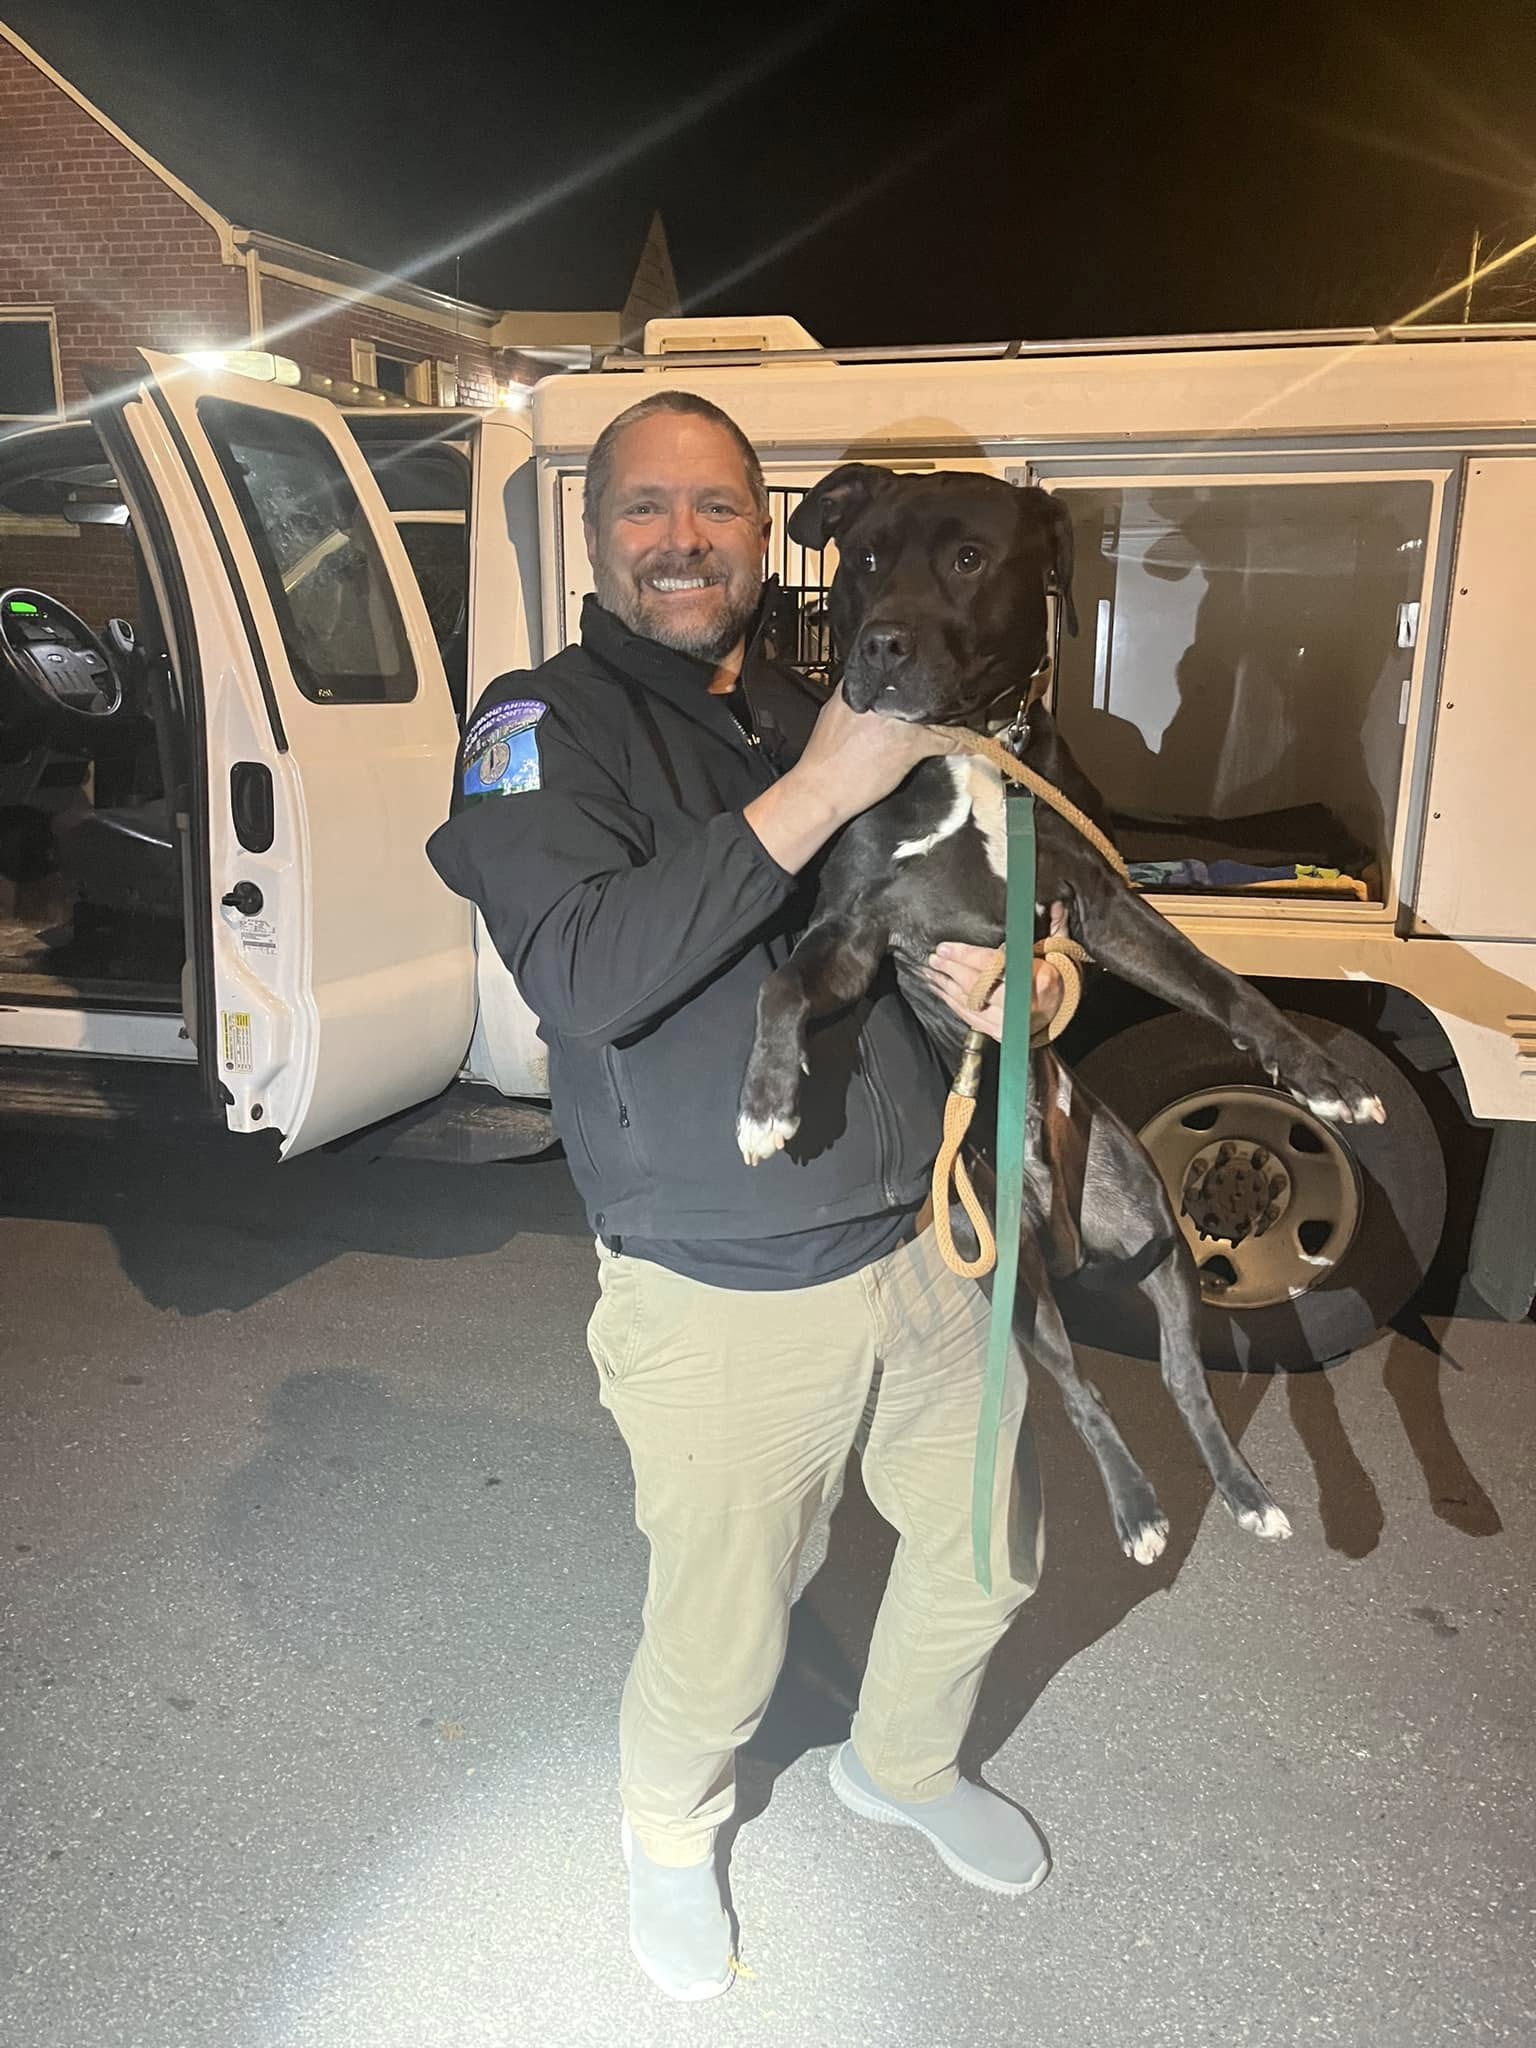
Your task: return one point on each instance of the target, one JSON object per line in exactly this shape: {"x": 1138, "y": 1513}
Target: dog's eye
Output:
{"x": 969, "y": 560}
{"x": 867, "y": 560}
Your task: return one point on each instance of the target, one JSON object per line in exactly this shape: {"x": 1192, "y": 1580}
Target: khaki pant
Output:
{"x": 739, "y": 1410}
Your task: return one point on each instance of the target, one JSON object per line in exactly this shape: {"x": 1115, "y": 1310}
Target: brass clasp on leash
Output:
{"x": 967, "y": 1081}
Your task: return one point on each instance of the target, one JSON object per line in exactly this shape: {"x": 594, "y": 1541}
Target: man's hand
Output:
{"x": 954, "y": 970}
{"x": 851, "y": 761}
{"x": 854, "y": 758}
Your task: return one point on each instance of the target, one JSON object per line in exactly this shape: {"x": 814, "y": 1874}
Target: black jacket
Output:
{"x": 640, "y": 913}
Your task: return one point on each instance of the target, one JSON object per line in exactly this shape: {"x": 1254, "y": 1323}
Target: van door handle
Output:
{"x": 251, "y": 806}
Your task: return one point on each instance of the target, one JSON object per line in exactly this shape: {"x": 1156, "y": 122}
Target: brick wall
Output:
{"x": 123, "y": 263}
{"x": 87, "y": 230}
{"x": 90, "y": 232}
{"x": 91, "y": 570}
{"x": 318, "y": 331}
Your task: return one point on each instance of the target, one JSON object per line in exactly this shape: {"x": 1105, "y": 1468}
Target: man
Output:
{"x": 636, "y": 820}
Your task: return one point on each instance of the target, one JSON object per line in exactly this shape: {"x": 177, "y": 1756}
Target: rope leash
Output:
{"x": 994, "y": 751}
{"x": 999, "y": 1251}
{"x": 950, "y": 1172}
{"x": 951, "y": 1177}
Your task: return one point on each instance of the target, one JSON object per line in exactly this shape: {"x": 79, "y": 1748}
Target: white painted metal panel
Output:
{"x": 504, "y": 628}
{"x": 108, "y": 1034}
{"x": 957, "y": 407}
{"x": 1477, "y": 873}
{"x": 351, "y": 995}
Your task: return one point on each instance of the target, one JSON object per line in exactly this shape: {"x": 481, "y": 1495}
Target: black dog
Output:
{"x": 939, "y": 615}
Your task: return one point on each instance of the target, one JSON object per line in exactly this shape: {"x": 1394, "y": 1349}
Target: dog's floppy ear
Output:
{"x": 1062, "y": 557}
{"x": 836, "y": 500}
{"x": 1052, "y": 513}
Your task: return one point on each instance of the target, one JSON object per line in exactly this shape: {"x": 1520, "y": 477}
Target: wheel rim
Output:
{"x": 1268, "y": 1198}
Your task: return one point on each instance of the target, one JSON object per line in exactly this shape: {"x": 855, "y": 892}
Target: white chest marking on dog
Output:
{"x": 959, "y": 810}
{"x": 986, "y": 786}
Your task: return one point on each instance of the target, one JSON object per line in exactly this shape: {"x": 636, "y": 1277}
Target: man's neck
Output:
{"x": 728, "y": 671}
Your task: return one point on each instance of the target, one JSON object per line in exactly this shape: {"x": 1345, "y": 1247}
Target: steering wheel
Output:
{"x": 61, "y": 667}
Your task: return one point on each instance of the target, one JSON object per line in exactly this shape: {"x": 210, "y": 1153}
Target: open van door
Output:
{"x": 334, "y": 973}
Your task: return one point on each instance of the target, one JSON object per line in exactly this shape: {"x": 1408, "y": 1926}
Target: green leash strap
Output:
{"x": 1012, "y": 1131}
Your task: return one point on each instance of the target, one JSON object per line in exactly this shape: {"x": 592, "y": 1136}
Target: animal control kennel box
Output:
{"x": 1302, "y": 682}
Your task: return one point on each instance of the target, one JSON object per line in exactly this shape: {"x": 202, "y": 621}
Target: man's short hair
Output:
{"x": 600, "y": 461}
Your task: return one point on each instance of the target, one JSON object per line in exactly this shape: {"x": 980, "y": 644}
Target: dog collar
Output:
{"x": 1015, "y": 734}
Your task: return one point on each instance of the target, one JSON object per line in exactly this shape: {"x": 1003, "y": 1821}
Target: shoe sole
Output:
{"x": 870, "y": 1807}
{"x": 707, "y": 1987}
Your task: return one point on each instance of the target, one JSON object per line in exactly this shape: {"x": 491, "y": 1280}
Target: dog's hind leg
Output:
{"x": 1140, "y": 1523}
{"x": 1127, "y": 1224}
{"x": 1173, "y": 1289}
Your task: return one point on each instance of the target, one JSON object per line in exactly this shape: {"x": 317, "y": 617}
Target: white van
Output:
{"x": 1300, "y": 683}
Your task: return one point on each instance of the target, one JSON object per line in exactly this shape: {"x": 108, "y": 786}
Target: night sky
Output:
{"x": 949, "y": 172}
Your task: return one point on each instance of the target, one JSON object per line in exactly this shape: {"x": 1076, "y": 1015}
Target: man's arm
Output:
{"x": 602, "y": 934}
{"x": 851, "y": 760}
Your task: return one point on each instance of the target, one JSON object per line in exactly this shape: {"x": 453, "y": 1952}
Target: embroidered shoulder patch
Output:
{"x": 501, "y": 750}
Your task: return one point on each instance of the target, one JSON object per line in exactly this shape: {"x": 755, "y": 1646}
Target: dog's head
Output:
{"x": 939, "y": 601}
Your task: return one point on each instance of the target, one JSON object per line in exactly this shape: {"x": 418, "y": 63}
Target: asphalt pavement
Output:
{"x": 318, "y": 1582}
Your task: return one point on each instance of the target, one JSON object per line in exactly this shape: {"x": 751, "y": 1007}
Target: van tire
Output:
{"x": 1400, "y": 1190}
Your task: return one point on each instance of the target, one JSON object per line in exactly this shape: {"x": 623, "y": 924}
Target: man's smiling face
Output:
{"x": 677, "y": 544}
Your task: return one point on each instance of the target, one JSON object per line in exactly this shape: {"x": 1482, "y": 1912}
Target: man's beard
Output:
{"x": 707, "y": 637}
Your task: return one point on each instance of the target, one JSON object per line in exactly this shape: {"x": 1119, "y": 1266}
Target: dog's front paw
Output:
{"x": 1329, "y": 1092}
{"x": 759, "y": 1137}
{"x": 768, "y": 1114}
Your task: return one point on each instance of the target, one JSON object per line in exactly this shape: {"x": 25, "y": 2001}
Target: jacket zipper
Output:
{"x": 867, "y": 1068}
{"x": 749, "y": 732}
{"x": 611, "y": 1062}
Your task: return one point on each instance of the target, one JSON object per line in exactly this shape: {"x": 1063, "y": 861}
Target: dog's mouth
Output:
{"x": 903, "y": 714}
{"x": 916, "y": 696}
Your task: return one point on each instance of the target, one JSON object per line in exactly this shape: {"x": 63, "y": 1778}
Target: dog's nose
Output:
{"x": 885, "y": 646}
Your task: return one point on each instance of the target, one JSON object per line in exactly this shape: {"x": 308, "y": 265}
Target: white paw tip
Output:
{"x": 1146, "y": 1546}
{"x": 758, "y": 1138}
{"x": 1370, "y": 1110}
{"x": 1271, "y": 1524}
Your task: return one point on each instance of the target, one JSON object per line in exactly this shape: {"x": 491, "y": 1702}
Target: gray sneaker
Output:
{"x": 678, "y": 1928}
{"x": 980, "y": 1835}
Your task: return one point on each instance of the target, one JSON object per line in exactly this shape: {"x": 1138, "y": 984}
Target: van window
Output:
{"x": 439, "y": 552}
{"x": 335, "y": 605}
{"x": 1244, "y": 658}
